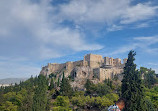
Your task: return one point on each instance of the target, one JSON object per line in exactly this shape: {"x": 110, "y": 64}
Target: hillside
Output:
{"x": 12, "y": 80}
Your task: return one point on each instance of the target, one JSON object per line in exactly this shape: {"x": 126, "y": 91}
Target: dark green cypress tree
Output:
{"x": 58, "y": 83}
{"x": 51, "y": 84}
{"x": 65, "y": 87}
{"x": 132, "y": 89}
{"x": 89, "y": 86}
{"x": 108, "y": 82}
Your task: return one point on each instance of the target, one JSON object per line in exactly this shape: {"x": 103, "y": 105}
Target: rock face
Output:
{"x": 93, "y": 67}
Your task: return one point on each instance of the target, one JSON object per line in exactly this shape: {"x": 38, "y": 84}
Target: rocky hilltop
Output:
{"x": 93, "y": 67}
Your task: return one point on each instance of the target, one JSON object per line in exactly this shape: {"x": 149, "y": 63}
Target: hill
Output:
{"x": 12, "y": 80}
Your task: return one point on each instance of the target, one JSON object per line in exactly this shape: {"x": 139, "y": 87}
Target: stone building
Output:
{"x": 93, "y": 67}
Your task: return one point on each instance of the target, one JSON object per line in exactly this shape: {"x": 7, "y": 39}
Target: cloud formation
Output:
{"x": 36, "y": 28}
{"x": 107, "y": 11}
{"x": 142, "y": 43}
{"x": 35, "y": 31}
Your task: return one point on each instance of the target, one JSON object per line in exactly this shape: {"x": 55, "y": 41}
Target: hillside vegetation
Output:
{"x": 46, "y": 94}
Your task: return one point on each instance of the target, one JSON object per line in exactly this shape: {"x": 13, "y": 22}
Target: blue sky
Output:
{"x": 35, "y": 32}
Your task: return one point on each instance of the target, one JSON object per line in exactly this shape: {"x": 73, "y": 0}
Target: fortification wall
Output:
{"x": 71, "y": 65}
{"x": 56, "y": 67}
{"x": 117, "y": 62}
{"x": 101, "y": 68}
{"x": 93, "y": 57}
{"x": 93, "y": 60}
{"x": 103, "y": 74}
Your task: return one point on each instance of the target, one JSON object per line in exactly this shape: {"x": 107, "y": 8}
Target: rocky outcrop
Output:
{"x": 93, "y": 67}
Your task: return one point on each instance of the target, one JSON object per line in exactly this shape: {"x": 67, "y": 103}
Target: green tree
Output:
{"x": 61, "y": 103}
{"x": 8, "y": 106}
{"x": 51, "y": 84}
{"x": 89, "y": 87}
{"x": 58, "y": 83}
{"x": 132, "y": 89}
{"x": 27, "y": 101}
{"x": 65, "y": 87}
{"x": 40, "y": 96}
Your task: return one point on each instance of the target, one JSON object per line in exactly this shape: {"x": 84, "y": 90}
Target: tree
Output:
{"x": 65, "y": 87}
{"x": 27, "y": 102}
{"x": 89, "y": 87}
{"x": 40, "y": 96}
{"x": 8, "y": 106}
{"x": 51, "y": 84}
{"x": 58, "y": 83}
{"x": 132, "y": 89}
{"x": 149, "y": 76}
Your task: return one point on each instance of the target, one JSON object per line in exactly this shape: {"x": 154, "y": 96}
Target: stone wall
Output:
{"x": 102, "y": 73}
{"x": 52, "y": 68}
{"x": 93, "y": 60}
{"x": 117, "y": 62}
{"x": 90, "y": 67}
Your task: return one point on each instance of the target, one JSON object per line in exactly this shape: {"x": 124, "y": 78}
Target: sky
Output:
{"x": 36, "y": 32}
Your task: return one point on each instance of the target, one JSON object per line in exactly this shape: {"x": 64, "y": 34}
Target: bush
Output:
{"x": 59, "y": 108}
{"x": 62, "y": 101}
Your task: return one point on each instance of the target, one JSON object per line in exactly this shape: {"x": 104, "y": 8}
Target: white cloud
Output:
{"x": 34, "y": 30}
{"x": 142, "y": 43}
{"x": 114, "y": 28}
{"x": 107, "y": 11}
{"x": 147, "y": 41}
{"x": 37, "y": 25}
{"x": 31, "y": 32}
{"x": 156, "y": 70}
{"x": 154, "y": 66}
{"x": 142, "y": 25}
{"x": 82, "y": 11}
{"x": 139, "y": 12}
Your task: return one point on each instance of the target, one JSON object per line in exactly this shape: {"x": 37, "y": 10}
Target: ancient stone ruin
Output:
{"x": 93, "y": 67}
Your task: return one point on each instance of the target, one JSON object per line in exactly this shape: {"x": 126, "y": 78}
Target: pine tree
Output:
{"x": 132, "y": 89}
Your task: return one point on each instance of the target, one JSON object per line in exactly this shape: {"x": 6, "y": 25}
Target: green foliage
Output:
{"x": 52, "y": 85}
{"x": 59, "y": 108}
{"x": 61, "y": 103}
{"x": 149, "y": 76}
{"x": 112, "y": 96}
{"x": 89, "y": 87}
{"x": 40, "y": 96}
{"x": 152, "y": 95}
{"x": 96, "y": 89}
{"x": 65, "y": 87}
{"x": 101, "y": 89}
{"x": 27, "y": 102}
{"x": 132, "y": 89}
{"x": 78, "y": 93}
{"x": 58, "y": 83}
{"x": 103, "y": 102}
{"x": 52, "y": 75}
{"x": 8, "y": 106}
{"x": 94, "y": 102}
{"x": 34, "y": 95}
{"x": 149, "y": 104}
